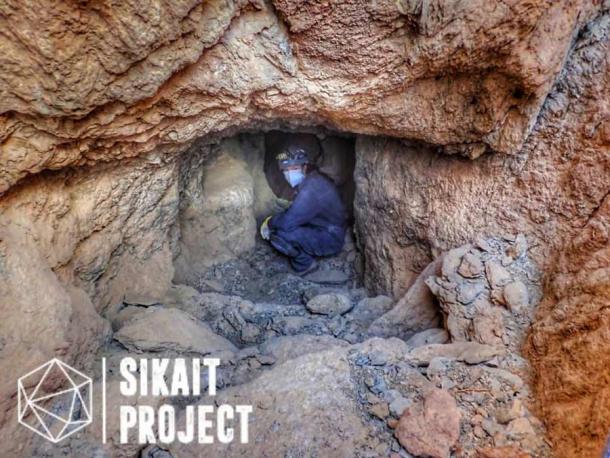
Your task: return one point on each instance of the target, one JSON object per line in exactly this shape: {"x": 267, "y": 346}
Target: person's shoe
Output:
{"x": 312, "y": 268}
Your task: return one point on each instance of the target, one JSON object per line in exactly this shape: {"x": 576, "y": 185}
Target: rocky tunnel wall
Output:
{"x": 470, "y": 78}
{"x": 412, "y": 203}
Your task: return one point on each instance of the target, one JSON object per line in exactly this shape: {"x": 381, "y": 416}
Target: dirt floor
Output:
{"x": 264, "y": 275}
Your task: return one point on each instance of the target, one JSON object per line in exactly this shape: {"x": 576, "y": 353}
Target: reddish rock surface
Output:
{"x": 98, "y": 82}
{"x": 109, "y": 96}
{"x": 431, "y": 427}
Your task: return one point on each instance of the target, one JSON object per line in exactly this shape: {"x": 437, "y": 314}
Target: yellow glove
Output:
{"x": 265, "y": 231}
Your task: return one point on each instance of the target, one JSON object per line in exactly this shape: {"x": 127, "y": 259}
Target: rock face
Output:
{"x": 42, "y": 318}
{"x": 103, "y": 202}
{"x": 217, "y": 219}
{"x": 488, "y": 292}
{"x": 358, "y": 66}
{"x": 575, "y": 326}
{"x": 410, "y": 207}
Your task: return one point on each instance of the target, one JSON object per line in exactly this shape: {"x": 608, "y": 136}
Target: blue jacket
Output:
{"x": 317, "y": 204}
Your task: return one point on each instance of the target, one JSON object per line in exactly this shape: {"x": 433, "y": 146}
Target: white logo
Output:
{"x": 54, "y": 400}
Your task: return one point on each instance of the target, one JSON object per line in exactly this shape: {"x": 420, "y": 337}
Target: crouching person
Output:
{"x": 314, "y": 225}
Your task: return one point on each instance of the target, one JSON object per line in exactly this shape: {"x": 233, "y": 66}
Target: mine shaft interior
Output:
{"x": 450, "y": 298}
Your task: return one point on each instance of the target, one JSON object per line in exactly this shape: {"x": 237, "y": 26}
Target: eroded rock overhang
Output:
{"x": 99, "y": 83}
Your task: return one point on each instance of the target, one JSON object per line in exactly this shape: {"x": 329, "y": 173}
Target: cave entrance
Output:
{"x": 229, "y": 188}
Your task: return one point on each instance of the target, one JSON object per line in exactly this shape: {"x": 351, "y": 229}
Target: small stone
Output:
{"x": 497, "y": 296}
{"x": 212, "y": 285}
{"x": 469, "y": 352}
{"x": 505, "y": 415}
{"x": 516, "y": 296}
{"x": 154, "y": 451}
{"x": 312, "y": 291}
{"x": 430, "y": 427}
{"x": 254, "y": 364}
{"x": 490, "y": 427}
{"x": 392, "y": 423}
{"x": 398, "y": 406}
{"x": 500, "y": 375}
{"x": 380, "y": 410}
{"x": 452, "y": 261}
{"x": 250, "y": 333}
{"x": 361, "y": 360}
{"x": 377, "y": 358}
{"x": 329, "y": 304}
{"x": 488, "y": 326}
{"x": 375, "y": 306}
{"x": 265, "y": 360}
{"x": 351, "y": 338}
{"x": 476, "y": 419}
{"x": 471, "y": 266}
{"x": 496, "y": 274}
{"x": 375, "y": 384}
{"x": 483, "y": 244}
{"x": 468, "y": 291}
{"x": 437, "y": 367}
{"x": 478, "y": 431}
{"x": 519, "y": 428}
{"x": 518, "y": 248}
{"x": 429, "y": 336}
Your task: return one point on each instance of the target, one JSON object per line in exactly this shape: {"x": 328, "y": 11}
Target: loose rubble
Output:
{"x": 322, "y": 383}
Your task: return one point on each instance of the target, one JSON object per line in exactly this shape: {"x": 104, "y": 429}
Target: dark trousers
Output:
{"x": 304, "y": 243}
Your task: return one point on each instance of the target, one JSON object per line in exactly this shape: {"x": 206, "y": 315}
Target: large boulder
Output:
{"x": 283, "y": 348}
{"x": 416, "y": 311}
{"x": 305, "y": 406}
{"x": 161, "y": 329}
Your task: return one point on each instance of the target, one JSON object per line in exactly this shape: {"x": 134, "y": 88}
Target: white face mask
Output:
{"x": 294, "y": 177}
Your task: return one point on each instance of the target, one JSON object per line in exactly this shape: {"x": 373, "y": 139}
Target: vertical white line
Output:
{"x": 104, "y": 400}
{"x": 19, "y": 394}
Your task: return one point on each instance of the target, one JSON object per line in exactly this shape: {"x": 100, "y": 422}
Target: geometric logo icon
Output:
{"x": 54, "y": 400}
